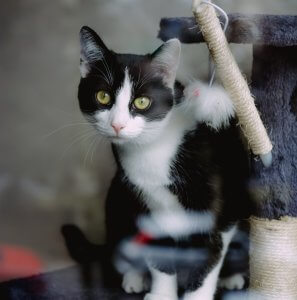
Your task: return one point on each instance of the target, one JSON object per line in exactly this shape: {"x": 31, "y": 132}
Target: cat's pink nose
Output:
{"x": 117, "y": 127}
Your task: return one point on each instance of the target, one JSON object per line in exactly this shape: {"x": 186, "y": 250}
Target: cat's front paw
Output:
{"x": 234, "y": 282}
{"x": 134, "y": 282}
{"x": 150, "y": 296}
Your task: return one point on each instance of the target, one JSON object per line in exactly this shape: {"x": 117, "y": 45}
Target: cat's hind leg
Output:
{"x": 208, "y": 287}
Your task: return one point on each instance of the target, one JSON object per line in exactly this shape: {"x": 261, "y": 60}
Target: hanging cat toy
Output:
{"x": 273, "y": 249}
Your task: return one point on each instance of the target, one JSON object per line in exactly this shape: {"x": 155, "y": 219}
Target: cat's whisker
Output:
{"x": 138, "y": 79}
{"x": 145, "y": 80}
{"x": 107, "y": 70}
{"x": 104, "y": 76}
{"x": 92, "y": 143}
{"x": 98, "y": 141}
{"x": 64, "y": 127}
{"x": 80, "y": 138}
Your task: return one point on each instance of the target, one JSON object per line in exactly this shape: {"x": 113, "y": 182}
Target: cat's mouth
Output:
{"x": 117, "y": 139}
{"x": 121, "y": 139}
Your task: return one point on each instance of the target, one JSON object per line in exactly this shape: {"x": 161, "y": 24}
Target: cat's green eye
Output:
{"x": 103, "y": 97}
{"x": 142, "y": 103}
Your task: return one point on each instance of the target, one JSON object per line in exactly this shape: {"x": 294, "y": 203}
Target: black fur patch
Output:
{"x": 210, "y": 166}
{"x": 146, "y": 82}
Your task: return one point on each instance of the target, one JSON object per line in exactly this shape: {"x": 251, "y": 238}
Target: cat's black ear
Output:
{"x": 166, "y": 60}
{"x": 92, "y": 49}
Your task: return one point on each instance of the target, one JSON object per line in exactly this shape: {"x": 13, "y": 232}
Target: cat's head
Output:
{"x": 128, "y": 98}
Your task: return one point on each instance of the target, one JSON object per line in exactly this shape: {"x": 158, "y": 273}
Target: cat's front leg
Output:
{"x": 134, "y": 282}
{"x": 164, "y": 286}
{"x": 208, "y": 287}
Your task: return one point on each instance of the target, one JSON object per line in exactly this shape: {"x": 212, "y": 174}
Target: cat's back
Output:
{"x": 207, "y": 160}
{"x": 207, "y": 150}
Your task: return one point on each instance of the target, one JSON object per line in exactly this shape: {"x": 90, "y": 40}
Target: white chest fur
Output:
{"x": 148, "y": 166}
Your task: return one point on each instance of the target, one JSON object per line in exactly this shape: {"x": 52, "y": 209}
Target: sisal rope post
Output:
{"x": 273, "y": 259}
{"x": 233, "y": 81}
{"x": 273, "y": 242}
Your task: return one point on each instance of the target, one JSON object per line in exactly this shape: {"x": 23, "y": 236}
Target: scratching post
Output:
{"x": 274, "y": 84}
{"x": 273, "y": 252}
{"x": 273, "y": 264}
{"x": 232, "y": 78}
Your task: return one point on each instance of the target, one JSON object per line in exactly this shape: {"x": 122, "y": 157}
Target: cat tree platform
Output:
{"x": 257, "y": 29}
{"x": 66, "y": 284}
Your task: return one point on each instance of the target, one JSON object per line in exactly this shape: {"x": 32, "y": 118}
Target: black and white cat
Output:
{"x": 178, "y": 152}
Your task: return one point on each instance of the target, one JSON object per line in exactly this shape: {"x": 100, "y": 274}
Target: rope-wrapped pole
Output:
{"x": 233, "y": 81}
{"x": 273, "y": 261}
{"x": 273, "y": 242}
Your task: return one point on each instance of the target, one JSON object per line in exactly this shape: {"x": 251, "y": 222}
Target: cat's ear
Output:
{"x": 92, "y": 49}
{"x": 166, "y": 60}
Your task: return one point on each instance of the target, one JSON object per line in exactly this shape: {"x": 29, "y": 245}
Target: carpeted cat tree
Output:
{"x": 273, "y": 236}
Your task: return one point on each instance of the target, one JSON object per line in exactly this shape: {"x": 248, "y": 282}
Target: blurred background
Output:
{"x": 52, "y": 170}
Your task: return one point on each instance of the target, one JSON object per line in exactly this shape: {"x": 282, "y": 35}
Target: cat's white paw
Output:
{"x": 150, "y": 296}
{"x": 234, "y": 282}
{"x": 134, "y": 282}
